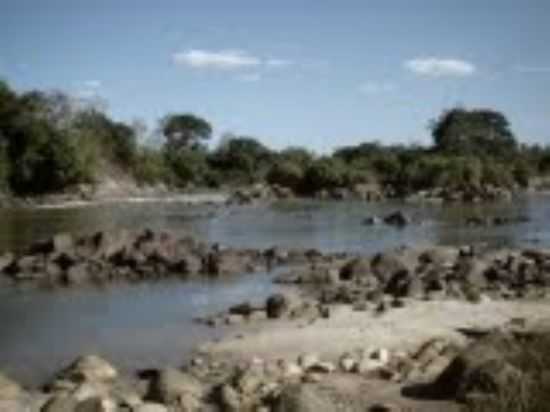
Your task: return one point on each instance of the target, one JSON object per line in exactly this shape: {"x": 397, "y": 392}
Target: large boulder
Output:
{"x": 483, "y": 367}
{"x": 385, "y": 265}
{"x": 174, "y": 387}
{"x": 89, "y": 368}
{"x": 398, "y": 219}
{"x": 276, "y": 306}
{"x": 303, "y": 398}
{"x": 359, "y": 269}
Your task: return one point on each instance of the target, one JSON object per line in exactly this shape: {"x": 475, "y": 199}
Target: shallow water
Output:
{"x": 151, "y": 323}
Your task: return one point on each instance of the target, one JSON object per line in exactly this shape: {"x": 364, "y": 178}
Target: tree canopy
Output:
{"x": 473, "y": 132}
{"x": 185, "y": 131}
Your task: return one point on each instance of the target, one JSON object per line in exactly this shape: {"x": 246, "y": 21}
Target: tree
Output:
{"x": 242, "y": 155}
{"x": 184, "y": 131}
{"x": 473, "y": 132}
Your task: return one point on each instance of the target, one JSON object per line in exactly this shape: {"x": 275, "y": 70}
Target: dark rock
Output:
{"x": 276, "y": 306}
{"x": 385, "y": 265}
{"x": 372, "y": 221}
{"x": 483, "y": 367}
{"x": 242, "y": 309}
{"x": 6, "y": 260}
{"x": 399, "y": 219}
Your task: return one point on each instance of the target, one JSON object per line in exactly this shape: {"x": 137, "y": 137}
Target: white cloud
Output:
{"x": 377, "y": 87}
{"x": 437, "y": 67}
{"x": 532, "y": 69}
{"x": 92, "y": 84}
{"x": 278, "y": 63}
{"x": 250, "y": 77}
{"x": 223, "y": 59}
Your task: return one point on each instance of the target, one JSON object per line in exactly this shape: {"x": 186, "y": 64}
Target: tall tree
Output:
{"x": 479, "y": 131}
{"x": 185, "y": 131}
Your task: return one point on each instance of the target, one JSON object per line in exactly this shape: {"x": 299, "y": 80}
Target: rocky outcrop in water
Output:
{"x": 127, "y": 255}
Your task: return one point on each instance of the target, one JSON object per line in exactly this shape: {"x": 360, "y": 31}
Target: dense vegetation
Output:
{"x": 50, "y": 142}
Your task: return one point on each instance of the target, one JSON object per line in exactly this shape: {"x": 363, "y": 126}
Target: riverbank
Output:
{"x": 354, "y": 332}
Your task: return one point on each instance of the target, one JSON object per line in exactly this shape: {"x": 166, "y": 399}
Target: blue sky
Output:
{"x": 291, "y": 72}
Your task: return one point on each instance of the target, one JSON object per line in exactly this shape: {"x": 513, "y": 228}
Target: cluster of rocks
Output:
{"x": 496, "y": 220}
{"x": 260, "y": 193}
{"x": 128, "y": 255}
{"x": 91, "y": 384}
{"x": 387, "y": 279}
{"x": 398, "y": 219}
{"x": 367, "y": 192}
{"x": 435, "y": 369}
{"x": 470, "y": 194}
{"x": 276, "y": 306}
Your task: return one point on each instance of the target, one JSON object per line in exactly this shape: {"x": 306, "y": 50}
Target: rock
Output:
{"x": 172, "y": 386}
{"x": 382, "y": 355}
{"x": 322, "y": 367}
{"x": 6, "y": 260}
{"x": 89, "y": 368}
{"x": 398, "y": 219}
{"x": 229, "y": 399}
{"x": 385, "y": 265}
{"x": 372, "y": 221}
{"x": 243, "y": 309}
{"x": 150, "y": 407}
{"x": 60, "y": 404}
{"x": 96, "y": 405}
{"x": 62, "y": 243}
{"x": 227, "y": 262}
{"x": 303, "y": 398}
{"x": 276, "y": 306}
{"x": 77, "y": 275}
{"x": 483, "y": 367}
{"x": 359, "y": 269}
{"x": 290, "y": 370}
{"x": 8, "y": 388}
{"x": 308, "y": 360}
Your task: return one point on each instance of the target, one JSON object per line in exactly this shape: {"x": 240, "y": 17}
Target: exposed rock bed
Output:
{"x": 435, "y": 272}
{"x": 437, "y": 369}
{"x": 144, "y": 255}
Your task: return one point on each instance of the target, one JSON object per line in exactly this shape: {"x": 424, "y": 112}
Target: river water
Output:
{"x": 151, "y": 324}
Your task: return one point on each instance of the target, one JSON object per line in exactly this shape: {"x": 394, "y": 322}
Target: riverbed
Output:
{"x": 151, "y": 324}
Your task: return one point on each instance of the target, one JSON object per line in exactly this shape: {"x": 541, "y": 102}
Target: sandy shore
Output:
{"x": 400, "y": 329}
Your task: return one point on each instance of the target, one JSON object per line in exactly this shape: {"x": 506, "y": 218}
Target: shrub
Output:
{"x": 324, "y": 173}
{"x": 286, "y": 173}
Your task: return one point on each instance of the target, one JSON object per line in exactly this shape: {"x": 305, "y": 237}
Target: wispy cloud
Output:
{"x": 377, "y": 87}
{"x": 438, "y": 67}
{"x": 226, "y": 60}
{"x": 92, "y": 84}
{"x": 532, "y": 69}
{"x": 278, "y": 63}
{"x": 223, "y": 59}
{"x": 250, "y": 77}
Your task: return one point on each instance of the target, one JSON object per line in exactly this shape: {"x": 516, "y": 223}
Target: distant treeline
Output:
{"x": 49, "y": 143}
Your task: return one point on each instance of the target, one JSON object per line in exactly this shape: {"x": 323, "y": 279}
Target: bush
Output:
{"x": 287, "y": 174}
{"x": 150, "y": 167}
{"x": 324, "y": 173}
{"x": 187, "y": 166}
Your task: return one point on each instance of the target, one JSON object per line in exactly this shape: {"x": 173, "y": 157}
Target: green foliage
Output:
{"x": 48, "y": 143}
{"x": 184, "y": 131}
{"x": 286, "y": 173}
{"x": 325, "y": 173}
{"x": 477, "y": 132}
{"x": 187, "y": 166}
{"x": 151, "y": 168}
{"x": 244, "y": 159}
